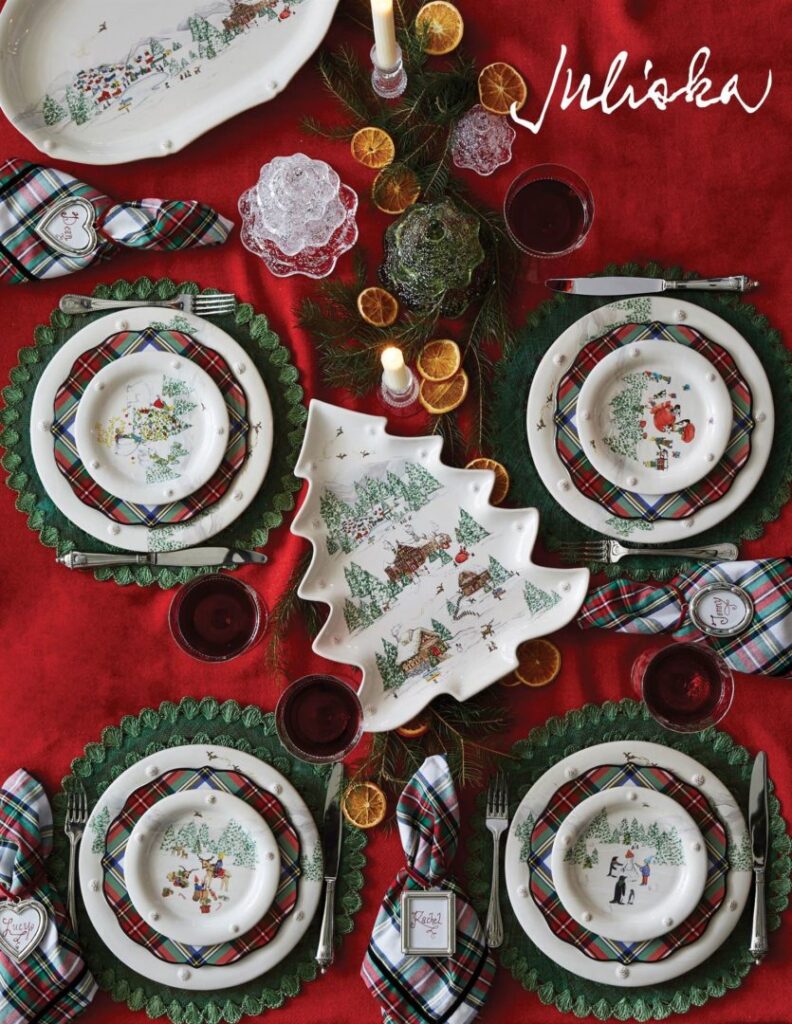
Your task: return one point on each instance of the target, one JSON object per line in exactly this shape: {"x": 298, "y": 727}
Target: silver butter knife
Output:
{"x": 645, "y": 285}
{"x": 188, "y": 556}
{"x": 759, "y": 830}
{"x": 331, "y": 852}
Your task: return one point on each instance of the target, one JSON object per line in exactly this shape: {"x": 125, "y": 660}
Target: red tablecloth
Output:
{"x": 703, "y": 188}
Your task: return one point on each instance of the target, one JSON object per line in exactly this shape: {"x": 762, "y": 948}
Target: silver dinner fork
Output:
{"x": 611, "y": 551}
{"x": 497, "y": 821}
{"x": 74, "y": 826}
{"x": 200, "y": 305}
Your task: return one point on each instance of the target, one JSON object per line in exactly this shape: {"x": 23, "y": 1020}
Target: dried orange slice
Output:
{"x": 502, "y": 481}
{"x": 416, "y": 727}
{"x": 373, "y": 147}
{"x": 443, "y": 26}
{"x": 395, "y": 188}
{"x": 439, "y": 360}
{"x": 377, "y": 307}
{"x": 364, "y": 804}
{"x": 441, "y": 396}
{"x": 499, "y": 86}
{"x": 540, "y": 662}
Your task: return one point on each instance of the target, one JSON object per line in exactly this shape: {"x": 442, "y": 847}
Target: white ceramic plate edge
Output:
{"x": 556, "y": 362}
{"x": 720, "y": 925}
{"x": 247, "y": 481}
{"x": 207, "y": 978}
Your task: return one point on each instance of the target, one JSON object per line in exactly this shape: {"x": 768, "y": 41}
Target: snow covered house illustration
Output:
{"x": 424, "y": 578}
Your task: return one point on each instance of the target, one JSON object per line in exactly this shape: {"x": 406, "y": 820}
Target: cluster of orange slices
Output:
{"x": 444, "y": 384}
{"x": 539, "y": 664}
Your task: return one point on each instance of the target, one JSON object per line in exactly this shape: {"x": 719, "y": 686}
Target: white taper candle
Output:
{"x": 384, "y": 33}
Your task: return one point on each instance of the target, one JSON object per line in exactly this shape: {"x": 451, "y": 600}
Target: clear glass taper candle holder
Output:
{"x": 388, "y": 82}
{"x": 400, "y": 403}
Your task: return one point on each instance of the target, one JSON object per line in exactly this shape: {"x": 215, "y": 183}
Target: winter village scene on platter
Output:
{"x": 162, "y": 61}
{"x": 422, "y": 574}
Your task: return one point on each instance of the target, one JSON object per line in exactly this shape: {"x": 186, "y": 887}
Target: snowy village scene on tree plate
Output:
{"x": 430, "y": 587}
{"x": 89, "y": 73}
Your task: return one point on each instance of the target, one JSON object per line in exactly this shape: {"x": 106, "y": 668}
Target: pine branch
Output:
{"x": 284, "y": 611}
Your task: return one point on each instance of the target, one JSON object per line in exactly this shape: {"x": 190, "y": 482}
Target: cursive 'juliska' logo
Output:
{"x": 697, "y": 89}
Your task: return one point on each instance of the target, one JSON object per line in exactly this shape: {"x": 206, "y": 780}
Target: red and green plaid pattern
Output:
{"x": 417, "y": 989}
{"x": 764, "y": 647}
{"x": 65, "y": 413}
{"x": 178, "y": 781}
{"x": 29, "y": 192}
{"x": 52, "y": 984}
{"x": 547, "y": 825}
{"x": 625, "y": 504}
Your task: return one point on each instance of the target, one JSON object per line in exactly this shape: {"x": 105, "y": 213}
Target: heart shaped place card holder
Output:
{"x": 23, "y": 925}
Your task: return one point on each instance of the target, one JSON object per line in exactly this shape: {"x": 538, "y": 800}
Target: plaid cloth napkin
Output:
{"x": 51, "y": 224}
{"x": 418, "y": 989}
{"x": 52, "y": 983}
{"x": 764, "y": 647}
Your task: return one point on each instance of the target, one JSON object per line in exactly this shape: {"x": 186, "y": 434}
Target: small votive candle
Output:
{"x": 395, "y": 375}
{"x": 384, "y": 33}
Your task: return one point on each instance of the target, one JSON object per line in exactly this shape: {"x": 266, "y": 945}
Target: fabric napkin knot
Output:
{"x": 428, "y": 819}
{"x": 51, "y": 983}
{"x": 764, "y": 647}
{"x": 51, "y": 224}
{"x": 418, "y": 989}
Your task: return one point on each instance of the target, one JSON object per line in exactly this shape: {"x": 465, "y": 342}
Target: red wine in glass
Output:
{"x": 319, "y": 718}
{"x": 217, "y": 617}
{"x": 686, "y": 687}
{"x": 548, "y": 210}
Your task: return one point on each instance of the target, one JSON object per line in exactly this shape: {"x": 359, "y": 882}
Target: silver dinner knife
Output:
{"x": 331, "y": 852}
{"x": 645, "y": 285}
{"x": 759, "y": 830}
{"x": 188, "y": 556}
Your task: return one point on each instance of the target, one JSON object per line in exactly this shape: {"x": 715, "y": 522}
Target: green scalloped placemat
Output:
{"x": 508, "y": 439}
{"x": 265, "y": 513}
{"x": 228, "y": 724}
{"x": 627, "y": 720}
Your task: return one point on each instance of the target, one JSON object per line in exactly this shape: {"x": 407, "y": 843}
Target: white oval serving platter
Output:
{"x": 102, "y": 83}
{"x": 568, "y": 956}
{"x": 542, "y": 403}
{"x": 654, "y": 417}
{"x": 246, "y": 483}
{"x": 604, "y": 876}
{"x": 225, "y": 851}
{"x": 142, "y": 960}
{"x": 151, "y": 427}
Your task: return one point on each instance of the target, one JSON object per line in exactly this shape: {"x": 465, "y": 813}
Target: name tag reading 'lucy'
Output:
{"x": 697, "y": 89}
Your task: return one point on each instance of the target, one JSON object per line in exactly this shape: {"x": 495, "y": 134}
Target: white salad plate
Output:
{"x": 151, "y": 427}
{"x": 431, "y": 589}
{"x": 227, "y": 850}
{"x": 654, "y": 416}
{"x": 140, "y": 959}
{"x": 542, "y": 404}
{"x": 106, "y": 83}
{"x": 144, "y": 538}
{"x": 664, "y": 886}
{"x": 570, "y": 957}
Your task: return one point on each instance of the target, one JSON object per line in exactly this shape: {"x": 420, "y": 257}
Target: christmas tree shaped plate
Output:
{"x": 107, "y": 83}
{"x": 649, "y": 869}
{"x": 202, "y": 866}
{"x": 530, "y": 860}
{"x": 654, "y": 416}
{"x": 431, "y": 589}
{"x": 151, "y": 428}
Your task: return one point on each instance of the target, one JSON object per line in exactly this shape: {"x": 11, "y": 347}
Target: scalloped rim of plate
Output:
{"x": 555, "y": 363}
{"x": 530, "y": 918}
{"x": 208, "y": 977}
